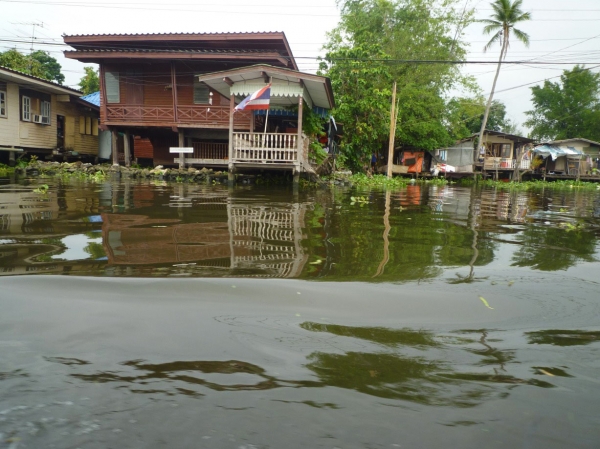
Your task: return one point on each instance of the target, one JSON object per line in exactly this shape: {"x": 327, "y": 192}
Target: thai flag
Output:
{"x": 258, "y": 100}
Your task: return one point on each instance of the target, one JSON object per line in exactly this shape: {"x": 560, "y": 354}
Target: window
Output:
{"x": 26, "y": 109}
{"x": 45, "y": 112}
{"x": 2, "y": 103}
{"x": 202, "y": 94}
{"x": 112, "y": 87}
{"x": 88, "y": 125}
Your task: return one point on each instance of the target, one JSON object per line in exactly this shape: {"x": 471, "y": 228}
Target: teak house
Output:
{"x": 180, "y": 90}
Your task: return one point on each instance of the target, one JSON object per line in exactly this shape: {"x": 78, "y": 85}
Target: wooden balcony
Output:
{"x": 250, "y": 149}
{"x": 265, "y": 148}
{"x": 196, "y": 116}
{"x": 499, "y": 163}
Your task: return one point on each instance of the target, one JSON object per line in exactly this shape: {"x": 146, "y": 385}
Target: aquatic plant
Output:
{"x": 43, "y": 189}
{"x": 6, "y": 170}
{"x": 538, "y": 184}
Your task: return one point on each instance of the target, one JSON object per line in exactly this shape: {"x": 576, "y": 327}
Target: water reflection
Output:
{"x": 461, "y": 369}
{"x": 415, "y": 234}
{"x": 563, "y": 337}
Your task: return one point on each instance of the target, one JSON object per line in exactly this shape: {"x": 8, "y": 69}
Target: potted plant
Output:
{"x": 536, "y": 162}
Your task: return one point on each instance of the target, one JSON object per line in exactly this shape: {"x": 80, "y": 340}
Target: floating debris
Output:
{"x": 485, "y": 303}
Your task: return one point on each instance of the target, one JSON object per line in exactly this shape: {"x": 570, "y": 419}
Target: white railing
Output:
{"x": 265, "y": 147}
{"x": 493, "y": 163}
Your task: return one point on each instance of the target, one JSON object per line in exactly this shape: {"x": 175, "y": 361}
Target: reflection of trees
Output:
{"x": 549, "y": 248}
{"x": 413, "y": 242}
{"x": 426, "y": 377}
{"x": 380, "y": 335}
{"x": 155, "y": 378}
{"x": 563, "y": 337}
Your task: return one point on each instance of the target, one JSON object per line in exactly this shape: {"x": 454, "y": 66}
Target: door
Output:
{"x": 60, "y": 132}
{"x": 69, "y": 133}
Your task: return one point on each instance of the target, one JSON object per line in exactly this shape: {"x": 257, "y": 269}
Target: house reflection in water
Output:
{"x": 254, "y": 241}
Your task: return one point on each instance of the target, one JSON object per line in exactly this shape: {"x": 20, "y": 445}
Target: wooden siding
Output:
{"x": 15, "y": 132}
{"x": 9, "y": 125}
{"x": 142, "y": 148}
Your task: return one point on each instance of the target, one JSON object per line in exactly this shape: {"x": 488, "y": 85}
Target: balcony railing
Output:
{"x": 265, "y": 148}
{"x": 500, "y": 163}
{"x": 140, "y": 114}
{"x": 201, "y": 116}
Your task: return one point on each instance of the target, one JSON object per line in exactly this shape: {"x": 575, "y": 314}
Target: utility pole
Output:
{"x": 392, "y": 133}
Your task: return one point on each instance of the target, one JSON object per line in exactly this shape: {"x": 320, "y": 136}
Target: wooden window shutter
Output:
{"x": 94, "y": 127}
{"x": 88, "y": 125}
{"x": 81, "y": 124}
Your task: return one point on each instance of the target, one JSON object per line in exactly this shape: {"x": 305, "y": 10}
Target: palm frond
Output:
{"x": 492, "y": 28}
{"x": 523, "y": 37}
{"x": 495, "y": 38}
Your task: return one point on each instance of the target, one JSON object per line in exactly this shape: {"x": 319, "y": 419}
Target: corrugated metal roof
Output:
{"x": 41, "y": 80}
{"x": 93, "y": 98}
{"x": 555, "y": 151}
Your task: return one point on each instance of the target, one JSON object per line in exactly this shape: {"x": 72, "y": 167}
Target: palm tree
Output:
{"x": 504, "y": 18}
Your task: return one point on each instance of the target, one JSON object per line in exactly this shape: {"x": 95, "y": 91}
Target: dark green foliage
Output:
{"x": 362, "y": 62}
{"x": 50, "y": 66}
{"x": 39, "y": 64}
{"x": 566, "y": 109}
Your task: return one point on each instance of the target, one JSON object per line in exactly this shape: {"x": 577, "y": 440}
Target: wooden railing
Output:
{"x": 202, "y": 116}
{"x": 140, "y": 113}
{"x": 269, "y": 147}
{"x": 207, "y": 150}
{"x": 493, "y": 163}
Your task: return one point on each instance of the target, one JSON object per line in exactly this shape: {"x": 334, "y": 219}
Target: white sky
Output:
{"x": 556, "y": 25}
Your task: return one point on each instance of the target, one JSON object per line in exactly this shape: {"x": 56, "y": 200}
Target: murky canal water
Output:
{"x": 197, "y": 316}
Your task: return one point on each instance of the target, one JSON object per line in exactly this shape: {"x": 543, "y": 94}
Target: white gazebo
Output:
{"x": 289, "y": 88}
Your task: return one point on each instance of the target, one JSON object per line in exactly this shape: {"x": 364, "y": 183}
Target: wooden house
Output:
{"x": 44, "y": 118}
{"x": 180, "y": 90}
{"x": 590, "y": 162}
{"x": 501, "y": 151}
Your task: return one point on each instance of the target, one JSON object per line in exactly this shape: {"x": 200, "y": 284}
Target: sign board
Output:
{"x": 181, "y": 150}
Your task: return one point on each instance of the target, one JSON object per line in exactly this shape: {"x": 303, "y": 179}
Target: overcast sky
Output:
{"x": 561, "y": 31}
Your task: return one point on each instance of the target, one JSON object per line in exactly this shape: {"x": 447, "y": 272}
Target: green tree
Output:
{"x": 90, "y": 82}
{"x": 362, "y": 60}
{"x": 15, "y": 60}
{"x": 39, "y": 63}
{"x": 566, "y": 109}
{"x": 465, "y": 116}
{"x": 506, "y": 15}
{"x": 49, "y": 65}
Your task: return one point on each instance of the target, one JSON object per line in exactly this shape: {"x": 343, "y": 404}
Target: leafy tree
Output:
{"x": 50, "y": 66}
{"x": 39, "y": 63}
{"x": 362, "y": 60}
{"x": 506, "y": 15}
{"x": 15, "y": 60}
{"x": 465, "y": 116}
{"x": 566, "y": 109}
{"x": 90, "y": 82}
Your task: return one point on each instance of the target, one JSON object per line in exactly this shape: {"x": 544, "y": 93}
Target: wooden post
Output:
{"x": 114, "y": 146}
{"x": 126, "y": 148}
{"x": 299, "y": 143}
{"x": 103, "y": 106}
{"x": 181, "y": 144}
{"x": 231, "y": 174}
{"x": 174, "y": 92}
{"x": 390, "y": 161}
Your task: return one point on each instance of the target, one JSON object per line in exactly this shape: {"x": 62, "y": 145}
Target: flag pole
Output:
{"x": 267, "y": 116}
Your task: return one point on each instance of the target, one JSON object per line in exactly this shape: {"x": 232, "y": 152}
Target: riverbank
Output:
{"x": 205, "y": 175}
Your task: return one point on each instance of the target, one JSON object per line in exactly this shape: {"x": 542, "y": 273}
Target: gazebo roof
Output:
{"x": 287, "y": 85}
